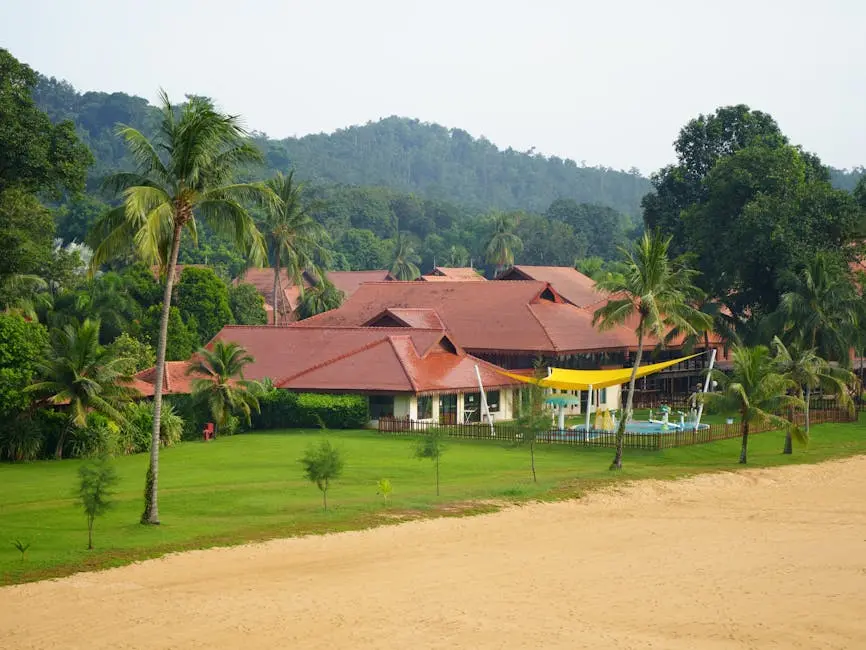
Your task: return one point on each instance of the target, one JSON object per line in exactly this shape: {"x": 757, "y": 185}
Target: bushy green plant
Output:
{"x": 98, "y": 437}
{"x": 135, "y": 438}
{"x": 282, "y": 409}
{"x": 384, "y": 488}
{"x": 21, "y": 440}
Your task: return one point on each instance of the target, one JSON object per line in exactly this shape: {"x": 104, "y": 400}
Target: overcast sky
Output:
{"x": 607, "y": 82}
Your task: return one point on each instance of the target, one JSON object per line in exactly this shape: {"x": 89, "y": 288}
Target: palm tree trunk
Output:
{"x": 58, "y": 451}
{"x": 745, "y": 445}
{"x": 276, "y": 297}
{"x": 151, "y": 505}
{"x": 806, "y": 411}
{"x": 620, "y": 429}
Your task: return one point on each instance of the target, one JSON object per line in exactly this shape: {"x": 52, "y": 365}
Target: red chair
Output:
{"x": 207, "y": 432}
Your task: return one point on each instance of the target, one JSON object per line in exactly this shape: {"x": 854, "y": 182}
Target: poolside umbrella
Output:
{"x": 562, "y": 401}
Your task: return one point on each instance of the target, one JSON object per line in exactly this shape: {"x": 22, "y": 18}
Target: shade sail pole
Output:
{"x": 485, "y": 410}
{"x": 706, "y": 387}
{"x": 588, "y": 405}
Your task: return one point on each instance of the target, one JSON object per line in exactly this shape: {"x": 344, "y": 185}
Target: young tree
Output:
{"x": 83, "y": 375}
{"x": 757, "y": 391}
{"x": 293, "y": 237}
{"x": 186, "y": 171}
{"x": 503, "y": 243}
{"x": 534, "y": 419}
{"x": 808, "y": 371}
{"x": 95, "y": 480}
{"x": 431, "y": 445}
{"x": 659, "y": 292}
{"x": 220, "y": 382}
{"x": 322, "y": 464}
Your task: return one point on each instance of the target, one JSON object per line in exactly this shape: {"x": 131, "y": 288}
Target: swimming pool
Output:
{"x": 638, "y": 428}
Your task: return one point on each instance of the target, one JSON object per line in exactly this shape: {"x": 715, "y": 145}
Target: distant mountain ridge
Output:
{"x": 399, "y": 153}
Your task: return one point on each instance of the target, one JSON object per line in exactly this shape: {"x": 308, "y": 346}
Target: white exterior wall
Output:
{"x": 405, "y": 406}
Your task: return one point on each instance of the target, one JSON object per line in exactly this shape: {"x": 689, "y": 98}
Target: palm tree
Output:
{"x": 221, "y": 382}
{"x": 808, "y": 371}
{"x": 819, "y": 308}
{"x": 185, "y": 172}
{"x": 659, "y": 292}
{"x": 81, "y": 374}
{"x": 757, "y": 391}
{"x": 503, "y": 243}
{"x": 320, "y": 298}
{"x": 405, "y": 266}
{"x": 293, "y": 237}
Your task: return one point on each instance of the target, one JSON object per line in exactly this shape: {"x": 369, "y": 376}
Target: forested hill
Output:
{"x": 451, "y": 165}
{"x": 398, "y": 153}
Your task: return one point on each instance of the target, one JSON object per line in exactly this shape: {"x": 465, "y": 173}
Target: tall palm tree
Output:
{"x": 405, "y": 266}
{"x": 659, "y": 292}
{"x": 81, "y": 374}
{"x": 320, "y": 298}
{"x": 295, "y": 240}
{"x": 185, "y": 172}
{"x": 808, "y": 371}
{"x": 503, "y": 243}
{"x": 820, "y": 309}
{"x": 220, "y": 382}
{"x": 757, "y": 391}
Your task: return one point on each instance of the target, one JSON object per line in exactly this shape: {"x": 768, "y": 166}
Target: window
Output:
{"x": 493, "y": 401}
{"x": 425, "y": 407}
{"x": 381, "y": 406}
{"x": 448, "y": 409}
{"x": 602, "y": 396}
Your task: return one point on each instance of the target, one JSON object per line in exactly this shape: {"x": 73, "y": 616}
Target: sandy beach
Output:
{"x": 756, "y": 559}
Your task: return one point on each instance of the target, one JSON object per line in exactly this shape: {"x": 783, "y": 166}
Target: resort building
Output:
{"x": 416, "y": 373}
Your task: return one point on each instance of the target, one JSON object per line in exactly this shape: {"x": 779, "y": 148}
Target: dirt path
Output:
{"x": 761, "y": 559}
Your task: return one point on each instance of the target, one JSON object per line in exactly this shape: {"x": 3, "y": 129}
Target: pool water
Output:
{"x": 647, "y": 428}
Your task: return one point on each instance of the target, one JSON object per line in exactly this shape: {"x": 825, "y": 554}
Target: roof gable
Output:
{"x": 568, "y": 282}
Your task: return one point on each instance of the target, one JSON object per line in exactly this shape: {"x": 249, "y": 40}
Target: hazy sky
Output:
{"x": 607, "y": 82}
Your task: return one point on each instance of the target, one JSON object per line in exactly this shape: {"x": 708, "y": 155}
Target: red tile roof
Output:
{"x": 337, "y": 359}
{"x": 175, "y": 380}
{"x": 263, "y": 280}
{"x": 491, "y": 316}
{"x": 453, "y": 274}
{"x": 571, "y": 284}
{"x": 412, "y": 317}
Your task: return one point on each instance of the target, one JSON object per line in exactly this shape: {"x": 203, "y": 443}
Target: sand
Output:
{"x": 757, "y": 559}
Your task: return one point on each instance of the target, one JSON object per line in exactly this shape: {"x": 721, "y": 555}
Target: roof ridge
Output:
{"x": 390, "y": 340}
{"x": 541, "y": 325}
{"x": 330, "y": 361}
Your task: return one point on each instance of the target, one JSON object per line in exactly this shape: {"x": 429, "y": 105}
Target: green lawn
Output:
{"x": 250, "y": 487}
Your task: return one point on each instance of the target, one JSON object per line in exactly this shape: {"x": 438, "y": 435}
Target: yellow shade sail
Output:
{"x": 565, "y": 379}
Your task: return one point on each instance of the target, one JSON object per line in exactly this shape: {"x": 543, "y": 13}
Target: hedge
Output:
{"x": 282, "y": 409}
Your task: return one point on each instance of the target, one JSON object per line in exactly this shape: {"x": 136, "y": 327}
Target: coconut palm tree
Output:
{"x": 658, "y": 292}
{"x": 220, "y": 382}
{"x": 320, "y": 298}
{"x": 503, "y": 243}
{"x": 295, "y": 240}
{"x": 184, "y": 173}
{"x": 819, "y": 308}
{"x": 84, "y": 376}
{"x": 808, "y": 371}
{"x": 757, "y": 391}
{"x": 405, "y": 265}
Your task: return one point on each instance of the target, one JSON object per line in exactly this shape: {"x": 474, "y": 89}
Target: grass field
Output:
{"x": 250, "y": 487}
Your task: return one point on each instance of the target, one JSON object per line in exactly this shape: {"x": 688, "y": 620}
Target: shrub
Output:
{"x": 135, "y": 437}
{"x": 281, "y": 409}
{"x": 98, "y": 438}
{"x": 21, "y": 440}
